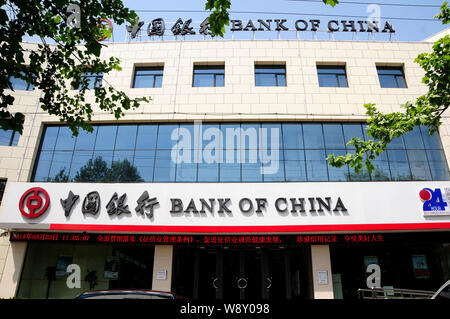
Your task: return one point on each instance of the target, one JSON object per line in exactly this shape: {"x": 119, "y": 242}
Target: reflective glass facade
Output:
{"x": 228, "y": 152}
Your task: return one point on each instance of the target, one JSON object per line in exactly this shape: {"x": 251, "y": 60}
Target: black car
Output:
{"x": 126, "y": 294}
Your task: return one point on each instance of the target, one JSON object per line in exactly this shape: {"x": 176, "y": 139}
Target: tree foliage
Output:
{"x": 64, "y": 53}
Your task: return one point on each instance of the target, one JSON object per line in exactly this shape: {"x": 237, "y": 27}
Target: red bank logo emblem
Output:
{"x": 34, "y": 202}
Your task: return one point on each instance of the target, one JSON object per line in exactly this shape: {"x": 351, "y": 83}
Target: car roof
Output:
{"x": 125, "y": 292}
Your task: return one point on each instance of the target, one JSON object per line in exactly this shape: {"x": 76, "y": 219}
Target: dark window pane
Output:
{"x": 105, "y": 157}
{"x": 334, "y": 137}
{"x": 419, "y": 165}
{"x": 94, "y": 80}
{"x": 350, "y": 131}
{"x": 106, "y": 137}
{"x": 398, "y": 162}
{"x": 432, "y": 141}
{"x": 203, "y": 80}
{"x": 230, "y": 168}
{"x": 126, "y": 137}
{"x": 396, "y": 144}
{"x": 387, "y": 81}
{"x": 5, "y": 137}
{"x": 381, "y": 171}
{"x": 342, "y": 81}
{"x": 249, "y": 136}
{"x": 165, "y": 134}
{"x": 208, "y": 76}
{"x": 43, "y": 166}
{"x": 86, "y": 140}
{"x": 265, "y": 80}
{"x": 50, "y": 135}
{"x": 391, "y": 77}
{"x": 316, "y": 165}
{"x": 312, "y": 135}
{"x": 208, "y": 172}
{"x": 327, "y": 80}
{"x": 15, "y": 140}
{"x": 20, "y": 84}
{"x": 65, "y": 141}
{"x": 146, "y": 136}
{"x": 251, "y": 166}
{"x": 148, "y": 77}
{"x": 144, "y": 162}
{"x": 186, "y": 172}
{"x": 164, "y": 167}
{"x": 413, "y": 139}
{"x": 120, "y": 156}
{"x": 331, "y": 76}
{"x": 438, "y": 165}
{"x": 294, "y": 165}
{"x": 292, "y": 136}
{"x": 270, "y": 75}
{"x": 80, "y": 162}
{"x": 59, "y": 169}
{"x": 337, "y": 174}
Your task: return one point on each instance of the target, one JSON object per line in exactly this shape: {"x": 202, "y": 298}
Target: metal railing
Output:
{"x": 393, "y": 293}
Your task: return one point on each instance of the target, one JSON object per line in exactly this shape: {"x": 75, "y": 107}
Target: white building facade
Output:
{"x": 219, "y": 187}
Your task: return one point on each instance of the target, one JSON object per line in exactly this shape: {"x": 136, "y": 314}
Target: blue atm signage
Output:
{"x": 434, "y": 202}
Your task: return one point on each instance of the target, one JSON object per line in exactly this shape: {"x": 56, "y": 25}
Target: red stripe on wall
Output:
{"x": 249, "y": 229}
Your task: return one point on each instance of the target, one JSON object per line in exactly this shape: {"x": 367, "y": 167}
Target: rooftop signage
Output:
{"x": 158, "y": 27}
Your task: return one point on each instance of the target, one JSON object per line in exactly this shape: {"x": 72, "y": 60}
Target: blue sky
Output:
{"x": 418, "y": 27}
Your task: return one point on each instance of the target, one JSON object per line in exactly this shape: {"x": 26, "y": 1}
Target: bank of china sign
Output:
{"x": 227, "y": 207}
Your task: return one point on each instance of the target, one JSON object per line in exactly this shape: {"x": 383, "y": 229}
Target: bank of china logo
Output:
{"x": 434, "y": 203}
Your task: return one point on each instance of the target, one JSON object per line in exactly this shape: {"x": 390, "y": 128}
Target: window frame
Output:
{"x": 395, "y": 76}
{"x": 148, "y": 68}
{"x": 321, "y": 67}
{"x": 274, "y": 66}
{"x": 214, "y": 74}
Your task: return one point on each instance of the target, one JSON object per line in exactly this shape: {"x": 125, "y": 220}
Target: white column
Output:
{"x": 321, "y": 268}
{"x": 162, "y": 268}
{"x": 13, "y": 268}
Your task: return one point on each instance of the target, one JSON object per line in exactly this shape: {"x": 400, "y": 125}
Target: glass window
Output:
{"x": 144, "y": 162}
{"x": 79, "y": 166}
{"x": 146, "y": 137}
{"x": 413, "y": 139}
{"x": 391, "y": 76}
{"x": 316, "y": 165}
{"x": 20, "y": 84}
{"x": 94, "y": 80}
{"x": 2, "y": 188}
{"x": 332, "y": 76}
{"x": 66, "y": 140}
{"x": 126, "y": 137}
{"x": 291, "y": 152}
{"x": 292, "y": 135}
{"x": 9, "y": 137}
{"x": 148, "y": 77}
{"x": 208, "y": 172}
{"x": 438, "y": 165}
{"x": 419, "y": 165}
{"x": 430, "y": 141}
{"x": 208, "y": 76}
{"x": 164, "y": 167}
{"x": 382, "y": 171}
{"x": 352, "y": 130}
{"x": 338, "y": 174}
{"x": 313, "y": 136}
{"x": 270, "y": 75}
{"x": 398, "y": 162}
{"x": 334, "y": 136}
{"x": 44, "y": 162}
{"x": 59, "y": 169}
{"x": 86, "y": 140}
{"x": 106, "y": 137}
{"x": 165, "y": 134}
{"x": 294, "y": 165}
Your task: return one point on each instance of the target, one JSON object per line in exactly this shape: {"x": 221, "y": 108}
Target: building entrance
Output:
{"x": 243, "y": 273}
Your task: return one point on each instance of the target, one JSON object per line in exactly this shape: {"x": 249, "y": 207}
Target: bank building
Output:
{"x": 219, "y": 188}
